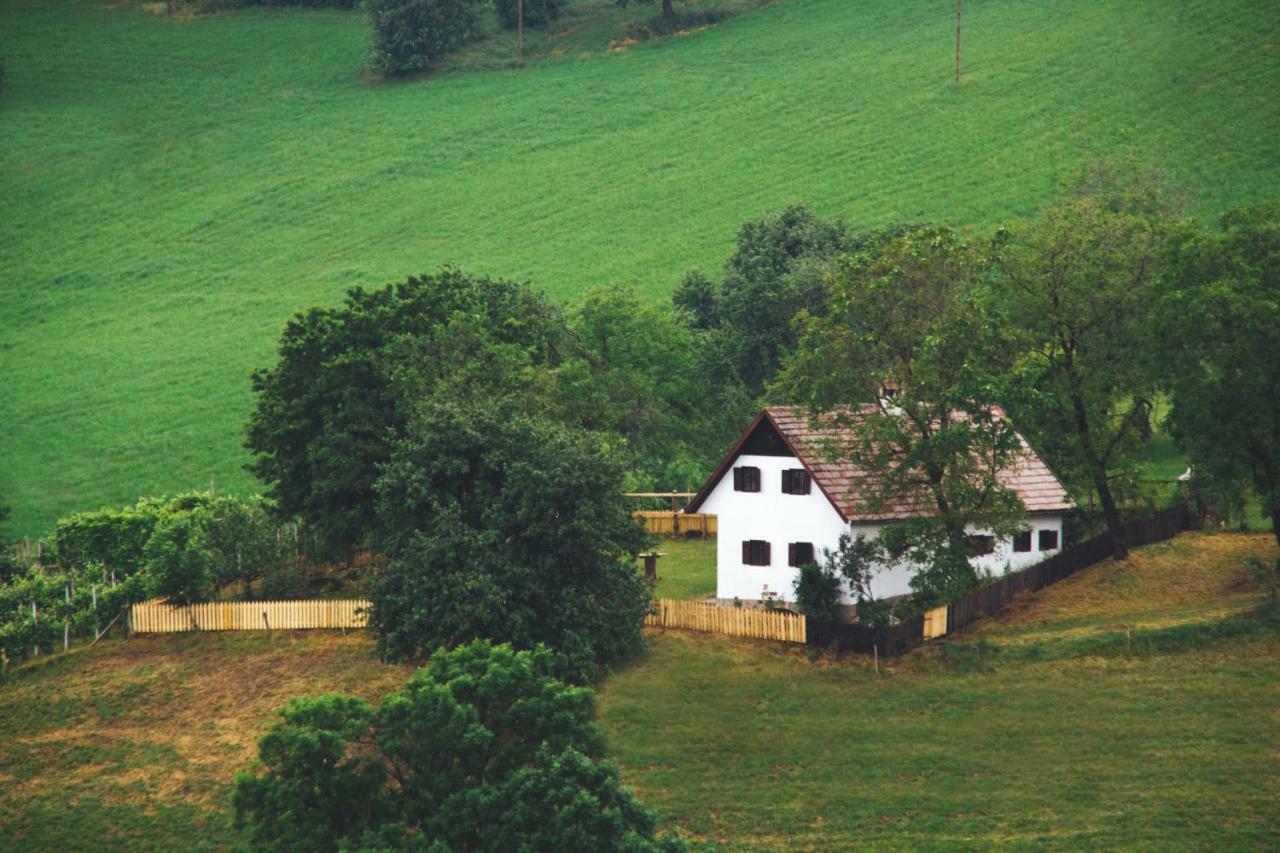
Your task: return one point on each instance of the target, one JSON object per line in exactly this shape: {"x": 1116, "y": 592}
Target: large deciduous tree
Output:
{"x": 778, "y": 269}
{"x": 327, "y": 414}
{"x": 1217, "y": 323}
{"x": 1075, "y": 287}
{"x": 511, "y": 527}
{"x": 907, "y": 359}
{"x": 484, "y": 749}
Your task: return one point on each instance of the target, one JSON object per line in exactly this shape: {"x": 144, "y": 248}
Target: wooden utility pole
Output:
{"x": 958, "y": 41}
{"x": 520, "y": 32}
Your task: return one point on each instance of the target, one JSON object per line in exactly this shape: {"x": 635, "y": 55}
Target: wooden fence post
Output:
{"x": 35, "y": 622}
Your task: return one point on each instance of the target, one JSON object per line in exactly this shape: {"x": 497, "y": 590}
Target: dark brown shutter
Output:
{"x": 746, "y": 553}
{"x": 767, "y": 548}
{"x": 804, "y": 482}
{"x": 792, "y": 556}
{"x": 737, "y": 479}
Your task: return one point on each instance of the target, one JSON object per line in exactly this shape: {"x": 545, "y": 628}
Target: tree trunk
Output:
{"x": 1111, "y": 513}
{"x": 1275, "y": 522}
{"x": 667, "y": 10}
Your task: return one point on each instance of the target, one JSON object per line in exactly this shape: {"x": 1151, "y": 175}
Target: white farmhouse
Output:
{"x": 780, "y": 501}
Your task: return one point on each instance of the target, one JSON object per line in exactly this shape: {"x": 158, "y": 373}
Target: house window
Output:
{"x": 800, "y": 554}
{"x": 980, "y": 546}
{"x": 1048, "y": 540}
{"x": 746, "y": 479}
{"x": 1022, "y": 541}
{"x": 795, "y": 481}
{"x": 755, "y": 552}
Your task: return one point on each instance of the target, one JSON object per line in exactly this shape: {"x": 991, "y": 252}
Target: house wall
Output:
{"x": 772, "y": 516}
{"x": 895, "y": 580}
{"x": 781, "y": 519}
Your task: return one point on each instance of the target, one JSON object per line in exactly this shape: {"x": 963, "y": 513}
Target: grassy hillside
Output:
{"x": 1040, "y": 729}
{"x": 749, "y": 744}
{"x": 174, "y": 190}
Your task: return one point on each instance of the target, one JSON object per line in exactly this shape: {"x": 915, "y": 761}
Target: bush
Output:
{"x": 410, "y": 35}
{"x": 818, "y": 593}
{"x": 488, "y": 750}
{"x": 536, "y": 12}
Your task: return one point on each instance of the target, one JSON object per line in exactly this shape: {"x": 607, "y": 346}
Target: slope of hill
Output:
{"x": 175, "y": 189}
{"x": 747, "y": 744}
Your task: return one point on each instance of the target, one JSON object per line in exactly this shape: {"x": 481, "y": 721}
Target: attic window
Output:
{"x": 1022, "y": 541}
{"x": 755, "y": 552}
{"x": 746, "y": 479}
{"x": 795, "y": 481}
{"x": 799, "y": 553}
{"x": 980, "y": 546}
{"x": 1048, "y": 540}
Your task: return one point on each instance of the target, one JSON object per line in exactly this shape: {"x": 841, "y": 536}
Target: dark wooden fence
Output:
{"x": 890, "y": 641}
{"x": 991, "y": 599}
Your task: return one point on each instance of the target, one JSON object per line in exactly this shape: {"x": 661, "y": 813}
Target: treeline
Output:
{"x": 415, "y": 35}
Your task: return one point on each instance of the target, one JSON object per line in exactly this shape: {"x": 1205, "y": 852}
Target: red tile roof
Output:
{"x": 847, "y": 486}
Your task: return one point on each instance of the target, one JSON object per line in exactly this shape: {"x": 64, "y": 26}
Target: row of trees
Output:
{"x": 96, "y": 563}
{"x": 1076, "y": 323}
{"x": 413, "y": 35}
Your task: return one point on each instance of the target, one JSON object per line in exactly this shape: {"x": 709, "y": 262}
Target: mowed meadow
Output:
{"x": 174, "y": 189}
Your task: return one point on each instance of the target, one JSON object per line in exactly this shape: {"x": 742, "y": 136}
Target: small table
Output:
{"x": 651, "y": 564}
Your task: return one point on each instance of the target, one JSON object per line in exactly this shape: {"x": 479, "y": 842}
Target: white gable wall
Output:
{"x": 769, "y": 515}
{"x": 780, "y": 519}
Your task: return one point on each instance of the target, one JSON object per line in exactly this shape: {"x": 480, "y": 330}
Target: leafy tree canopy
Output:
{"x": 909, "y": 360}
{"x": 506, "y": 526}
{"x": 484, "y": 749}
{"x": 328, "y": 413}
{"x": 1075, "y": 287}
{"x": 1216, "y": 321}
{"x": 411, "y": 35}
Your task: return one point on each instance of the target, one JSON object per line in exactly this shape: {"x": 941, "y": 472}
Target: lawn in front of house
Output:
{"x": 687, "y": 568}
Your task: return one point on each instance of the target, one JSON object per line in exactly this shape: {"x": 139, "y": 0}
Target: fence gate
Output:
{"x": 935, "y": 622}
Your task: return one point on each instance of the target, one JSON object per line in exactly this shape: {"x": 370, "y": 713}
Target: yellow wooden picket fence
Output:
{"x": 935, "y": 622}
{"x": 666, "y": 523}
{"x": 157, "y": 617}
{"x": 734, "y": 621}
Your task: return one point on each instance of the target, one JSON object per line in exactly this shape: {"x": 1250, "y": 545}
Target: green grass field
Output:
{"x": 1043, "y": 727}
{"x": 174, "y": 189}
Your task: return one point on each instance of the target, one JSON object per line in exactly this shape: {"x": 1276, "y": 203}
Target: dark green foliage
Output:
{"x": 634, "y": 376}
{"x": 484, "y": 749}
{"x": 817, "y": 592}
{"x": 327, "y": 414}
{"x": 906, "y": 319}
{"x": 537, "y": 13}
{"x": 778, "y": 269}
{"x": 1216, "y": 320}
{"x": 318, "y": 789}
{"x": 1076, "y": 287}
{"x": 411, "y": 35}
{"x": 505, "y": 526}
